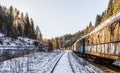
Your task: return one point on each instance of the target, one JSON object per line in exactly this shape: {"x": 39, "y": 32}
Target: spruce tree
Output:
{"x": 98, "y": 20}
{"x": 22, "y": 15}
{"x": 11, "y": 10}
{"x": 50, "y": 45}
{"x": 90, "y": 24}
{"x": 38, "y": 33}
{"x": 19, "y": 29}
{"x": 116, "y": 6}
{"x": 104, "y": 16}
{"x": 27, "y": 26}
{"x": 110, "y": 9}
{"x": 0, "y": 7}
{"x": 56, "y": 43}
{"x": 18, "y": 12}
{"x": 32, "y": 28}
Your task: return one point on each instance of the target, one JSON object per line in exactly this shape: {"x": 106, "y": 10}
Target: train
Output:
{"x": 103, "y": 43}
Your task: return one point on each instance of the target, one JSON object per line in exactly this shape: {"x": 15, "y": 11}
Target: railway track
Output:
{"x": 49, "y": 66}
{"x": 69, "y": 62}
{"x": 56, "y": 63}
{"x": 107, "y": 68}
{"x": 73, "y": 65}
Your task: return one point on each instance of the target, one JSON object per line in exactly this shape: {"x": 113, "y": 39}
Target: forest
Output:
{"x": 14, "y": 23}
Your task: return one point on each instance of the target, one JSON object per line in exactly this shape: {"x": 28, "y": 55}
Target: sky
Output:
{"x": 59, "y": 17}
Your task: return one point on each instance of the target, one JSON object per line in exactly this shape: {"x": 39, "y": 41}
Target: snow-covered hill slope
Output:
{"x": 31, "y": 63}
{"x": 21, "y": 41}
{"x": 10, "y": 47}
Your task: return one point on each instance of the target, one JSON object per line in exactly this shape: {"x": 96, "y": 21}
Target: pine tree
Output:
{"x": 50, "y": 45}
{"x": 104, "y": 16}
{"x": 98, "y": 20}
{"x": 27, "y": 26}
{"x": 37, "y": 30}
{"x": 56, "y": 43}
{"x": 1, "y": 18}
{"x": 19, "y": 29}
{"x": 116, "y": 6}
{"x": 32, "y": 28}
{"x": 110, "y": 9}
{"x": 38, "y": 33}
{"x": 11, "y": 10}
{"x": 90, "y": 24}
{"x": 18, "y": 12}
{"x": 0, "y": 7}
{"x": 22, "y": 15}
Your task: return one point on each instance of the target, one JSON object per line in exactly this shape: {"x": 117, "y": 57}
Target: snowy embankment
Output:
{"x": 81, "y": 66}
{"x": 76, "y": 64}
{"x": 20, "y": 41}
{"x": 10, "y": 47}
{"x": 33, "y": 63}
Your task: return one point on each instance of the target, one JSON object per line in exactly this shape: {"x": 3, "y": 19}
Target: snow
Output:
{"x": 50, "y": 65}
{"x": 1, "y": 35}
{"x": 117, "y": 63}
{"x": 20, "y": 41}
{"x": 70, "y": 63}
{"x": 82, "y": 65}
{"x": 46, "y": 62}
{"x": 31, "y": 63}
{"x": 77, "y": 66}
{"x": 63, "y": 65}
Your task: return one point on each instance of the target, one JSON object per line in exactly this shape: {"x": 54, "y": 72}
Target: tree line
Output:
{"x": 14, "y": 23}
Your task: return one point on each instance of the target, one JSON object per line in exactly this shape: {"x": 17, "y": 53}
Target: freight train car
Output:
{"x": 103, "y": 42}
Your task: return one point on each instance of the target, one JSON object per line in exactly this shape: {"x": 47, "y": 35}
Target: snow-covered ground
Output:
{"x": 70, "y": 63}
{"x": 32, "y": 63}
{"x": 63, "y": 65}
{"x": 44, "y": 62}
{"x": 82, "y": 66}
